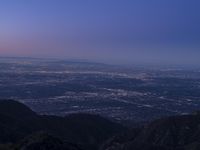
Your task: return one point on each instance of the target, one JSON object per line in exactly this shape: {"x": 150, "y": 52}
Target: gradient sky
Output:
{"x": 122, "y": 31}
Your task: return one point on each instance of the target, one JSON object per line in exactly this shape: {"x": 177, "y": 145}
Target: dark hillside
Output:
{"x": 18, "y": 121}
{"x": 172, "y": 133}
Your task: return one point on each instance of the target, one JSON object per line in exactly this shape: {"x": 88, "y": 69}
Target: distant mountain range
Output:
{"x": 23, "y": 129}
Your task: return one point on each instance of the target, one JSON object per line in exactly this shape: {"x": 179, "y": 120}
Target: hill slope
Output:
{"x": 172, "y": 133}
{"x": 26, "y": 130}
{"x": 17, "y": 121}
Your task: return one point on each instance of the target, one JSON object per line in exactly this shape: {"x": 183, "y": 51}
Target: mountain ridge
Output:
{"x": 171, "y": 133}
{"x": 21, "y": 128}
{"x": 18, "y": 121}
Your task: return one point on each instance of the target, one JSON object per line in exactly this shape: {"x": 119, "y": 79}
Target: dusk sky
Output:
{"x": 114, "y": 31}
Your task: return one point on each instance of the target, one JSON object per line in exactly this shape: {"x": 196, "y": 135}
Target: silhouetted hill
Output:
{"x": 18, "y": 121}
{"x": 22, "y": 129}
{"x": 172, "y": 133}
{"x": 15, "y": 109}
{"x": 44, "y": 141}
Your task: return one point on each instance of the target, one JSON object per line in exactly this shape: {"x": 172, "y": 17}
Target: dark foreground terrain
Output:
{"x": 29, "y": 131}
{"x": 23, "y": 129}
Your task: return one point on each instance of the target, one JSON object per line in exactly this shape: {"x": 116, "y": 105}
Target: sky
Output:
{"x": 113, "y": 31}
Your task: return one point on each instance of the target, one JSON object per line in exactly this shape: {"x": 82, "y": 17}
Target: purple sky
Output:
{"x": 115, "y": 31}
